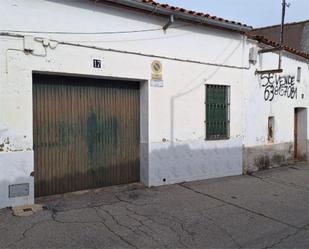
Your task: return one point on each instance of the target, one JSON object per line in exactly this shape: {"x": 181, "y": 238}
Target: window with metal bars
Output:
{"x": 217, "y": 112}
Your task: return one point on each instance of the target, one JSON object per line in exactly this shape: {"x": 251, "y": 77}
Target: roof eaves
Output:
{"x": 184, "y": 14}
{"x": 266, "y": 41}
{"x": 278, "y": 25}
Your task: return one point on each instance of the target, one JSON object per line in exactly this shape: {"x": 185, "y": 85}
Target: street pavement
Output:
{"x": 269, "y": 209}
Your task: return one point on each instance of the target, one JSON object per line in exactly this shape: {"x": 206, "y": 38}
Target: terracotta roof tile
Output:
{"x": 266, "y": 41}
{"x": 261, "y": 39}
{"x": 191, "y": 12}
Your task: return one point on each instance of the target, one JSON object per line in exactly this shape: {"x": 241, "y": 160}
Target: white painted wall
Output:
{"x": 173, "y": 130}
{"x": 257, "y": 110}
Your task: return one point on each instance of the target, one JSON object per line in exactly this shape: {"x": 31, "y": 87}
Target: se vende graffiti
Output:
{"x": 277, "y": 85}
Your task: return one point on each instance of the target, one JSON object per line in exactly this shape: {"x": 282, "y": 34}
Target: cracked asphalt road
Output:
{"x": 269, "y": 209}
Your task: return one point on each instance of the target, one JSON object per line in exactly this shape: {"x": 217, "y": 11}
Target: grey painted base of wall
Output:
{"x": 267, "y": 156}
{"x": 165, "y": 163}
{"x": 15, "y": 168}
{"x": 194, "y": 160}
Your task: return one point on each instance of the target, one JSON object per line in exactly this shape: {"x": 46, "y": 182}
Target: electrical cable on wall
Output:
{"x": 129, "y": 52}
{"x": 90, "y": 33}
{"x": 151, "y": 55}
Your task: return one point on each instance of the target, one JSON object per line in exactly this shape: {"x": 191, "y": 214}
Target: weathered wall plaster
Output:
{"x": 172, "y": 117}
{"x": 267, "y": 156}
{"x": 174, "y": 113}
{"x": 15, "y": 168}
{"x": 194, "y": 160}
{"x": 272, "y": 96}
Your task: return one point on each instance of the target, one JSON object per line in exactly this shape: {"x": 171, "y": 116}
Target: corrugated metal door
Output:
{"x": 86, "y": 133}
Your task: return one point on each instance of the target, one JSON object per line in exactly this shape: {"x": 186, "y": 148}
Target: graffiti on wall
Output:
{"x": 278, "y": 85}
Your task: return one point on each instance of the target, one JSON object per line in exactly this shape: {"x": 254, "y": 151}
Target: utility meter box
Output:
{"x": 29, "y": 43}
{"x": 253, "y": 55}
{"x": 19, "y": 190}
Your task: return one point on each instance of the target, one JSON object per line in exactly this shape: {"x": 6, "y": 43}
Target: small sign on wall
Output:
{"x": 156, "y": 74}
{"x": 97, "y": 63}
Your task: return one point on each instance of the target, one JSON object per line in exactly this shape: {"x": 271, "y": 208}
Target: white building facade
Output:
{"x": 181, "y": 137}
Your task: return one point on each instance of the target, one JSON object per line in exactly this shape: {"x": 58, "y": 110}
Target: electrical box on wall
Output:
{"x": 29, "y": 43}
{"x": 298, "y": 76}
{"x": 18, "y": 190}
{"x": 253, "y": 55}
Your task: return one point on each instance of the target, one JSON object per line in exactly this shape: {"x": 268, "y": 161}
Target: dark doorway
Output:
{"x": 300, "y": 134}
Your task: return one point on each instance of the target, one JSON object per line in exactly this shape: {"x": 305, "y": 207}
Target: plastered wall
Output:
{"x": 272, "y": 95}
{"x": 173, "y": 146}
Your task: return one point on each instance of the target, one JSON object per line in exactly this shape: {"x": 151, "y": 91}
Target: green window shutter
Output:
{"x": 217, "y": 112}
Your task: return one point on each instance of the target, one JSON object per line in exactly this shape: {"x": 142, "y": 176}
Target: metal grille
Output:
{"x": 217, "y": 112}
{"x": 86, "y": 133}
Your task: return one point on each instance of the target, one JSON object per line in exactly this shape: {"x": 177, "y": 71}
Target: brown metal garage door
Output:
{"x": 86, "y": 133}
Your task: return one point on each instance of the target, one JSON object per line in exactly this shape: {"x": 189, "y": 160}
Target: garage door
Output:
{"x": 86, "y": 133}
